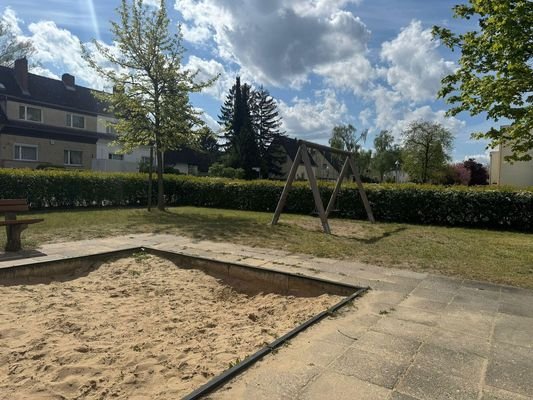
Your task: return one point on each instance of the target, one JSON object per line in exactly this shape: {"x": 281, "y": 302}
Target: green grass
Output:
{"x": 501, "y": 257}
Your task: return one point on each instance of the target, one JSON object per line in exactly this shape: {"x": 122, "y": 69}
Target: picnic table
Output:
{"x": 14, "y": 226}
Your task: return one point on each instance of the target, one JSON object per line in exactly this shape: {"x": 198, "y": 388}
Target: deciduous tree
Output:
{"x": 495, "y": 73}
{"x": 151, "y": 88}
{"x": 386, "y": 154}
{"x": 425, "y": 150}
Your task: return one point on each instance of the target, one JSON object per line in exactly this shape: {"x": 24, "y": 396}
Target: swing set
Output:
{"x": 303, "y": 155}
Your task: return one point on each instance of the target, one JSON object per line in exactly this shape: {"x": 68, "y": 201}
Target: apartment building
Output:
{"x": 46, "y": 122}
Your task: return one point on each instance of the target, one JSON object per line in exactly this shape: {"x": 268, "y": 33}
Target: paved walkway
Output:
{"x": 414, "y": 336}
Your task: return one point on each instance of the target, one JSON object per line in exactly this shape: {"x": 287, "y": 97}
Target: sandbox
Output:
{"x": 136, "y": 326}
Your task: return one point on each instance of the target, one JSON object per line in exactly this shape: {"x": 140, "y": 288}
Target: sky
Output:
{"x": 370, "y": 63}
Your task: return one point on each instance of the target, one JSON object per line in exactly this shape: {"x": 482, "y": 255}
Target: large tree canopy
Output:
{"x": 425, "y": 150}
{"x": 151, "y": 89}
{"x": 495, "y": 70}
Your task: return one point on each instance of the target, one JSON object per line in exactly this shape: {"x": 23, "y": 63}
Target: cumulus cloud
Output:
{"x": 208, "y": 69}
{"x": 414, "y": 66}
{"x": 279, "y": 42}
{"x": 313, "y": 118}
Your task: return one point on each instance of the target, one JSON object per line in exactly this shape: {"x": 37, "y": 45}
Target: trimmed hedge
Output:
{"x": 488, "y": 207}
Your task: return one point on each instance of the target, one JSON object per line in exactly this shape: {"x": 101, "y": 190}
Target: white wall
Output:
{"x": 520, "y": 173}
{"x": 130, "y": 163}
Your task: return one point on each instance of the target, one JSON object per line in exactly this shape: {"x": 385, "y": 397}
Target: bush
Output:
{"x": 487, "y": 207}
{"x": 221, "y": 171}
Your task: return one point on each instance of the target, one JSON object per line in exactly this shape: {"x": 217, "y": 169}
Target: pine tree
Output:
{"x": 267, "y": 124}
{"x": 238, "y": 130}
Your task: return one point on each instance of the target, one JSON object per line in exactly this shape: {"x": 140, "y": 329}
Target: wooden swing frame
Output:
{"x": 303, "y": 155}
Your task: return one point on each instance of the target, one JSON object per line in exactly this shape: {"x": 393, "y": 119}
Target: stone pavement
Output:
{"x": 413, "y": 336}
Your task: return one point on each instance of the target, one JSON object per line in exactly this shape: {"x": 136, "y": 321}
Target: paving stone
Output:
{"x": 416, "y": 315}
{"x": 389, "y": 346}
{"x": 521, "y": 309}
{"x": 467, "y": 303}
{"x": 406, "y": 329}
{"x": 491, "y": 393}
{"x": 377, "y": 369}
{"x": 424, "y": 384}
{"x": 312, "y": 352}
{"x": 481, "y": 285}
{"x": 331, "y": 385}
{"x": 476, "y": 293}
{"x": 439, "y": 373}
{"x": 281, "y": 379}
{"x": 460, "y": 341}
{"x": 443, "y": 296}
{"x": 400, "y": 396}
{"x": 443, "y": 361}
{"x": 514, "y": 329}
{"x": 423, "y": 304}
{"x": 510, "y": 368}
{"x": 468, "y": 322}
{"x": 441, "y": 283}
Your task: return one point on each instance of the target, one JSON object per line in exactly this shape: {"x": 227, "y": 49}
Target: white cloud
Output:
{"x": 313, "y": 119}
{"x": 415, "y": 68}
{"x": 208, "y": 69}
{"x": 278, "y": 42}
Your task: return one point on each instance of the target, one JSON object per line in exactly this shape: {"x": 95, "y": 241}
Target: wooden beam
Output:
{"x": 324, "y": 148}
{"x": 331, "y": 203}
{"x": 314, "y": 188}
{"x": 287, "y": 187}
{"x": 362, "y": 192}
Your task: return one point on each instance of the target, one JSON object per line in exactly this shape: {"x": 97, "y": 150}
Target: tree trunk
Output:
{"x": 160, "y": 187}
{"x": 150, "y": 179}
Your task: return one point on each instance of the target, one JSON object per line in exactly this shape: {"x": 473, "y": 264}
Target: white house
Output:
{"x": 501, "y": 172}
{"x": 108, "y": 156}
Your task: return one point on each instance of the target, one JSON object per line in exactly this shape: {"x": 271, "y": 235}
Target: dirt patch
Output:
{"x": 137, "y": 327}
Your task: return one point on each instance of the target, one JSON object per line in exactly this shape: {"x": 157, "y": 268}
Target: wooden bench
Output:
{"x": 14, "y": 226}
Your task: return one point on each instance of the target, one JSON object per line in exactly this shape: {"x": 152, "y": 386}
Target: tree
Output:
{"x": 425, "y": 150}
{"x": 457, "y": 174}
{"x": 12, "y": 48}
{"x": 207, "y": 142}
{"x": 267, "y": 125}
{"x": 344, "y": 137}
{"x": 495, "y": 73}
{"x": 151, "y": 89}
{"x": 478, "y": 173}
{"x": 242, "y": 150}
{"x": 250, "y": 123}
{"x": 386, "y": 154}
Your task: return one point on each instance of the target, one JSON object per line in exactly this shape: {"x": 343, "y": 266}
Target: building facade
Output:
{"x": 502, "y": 172}
{"x": 45, "y": 122}
{"x": 48, "y": 122}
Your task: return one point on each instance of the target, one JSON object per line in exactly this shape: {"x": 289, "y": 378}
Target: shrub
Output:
{"x": 487, "y": 206}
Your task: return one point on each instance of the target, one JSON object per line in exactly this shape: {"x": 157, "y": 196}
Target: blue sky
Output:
{"x": 371, "y": 63}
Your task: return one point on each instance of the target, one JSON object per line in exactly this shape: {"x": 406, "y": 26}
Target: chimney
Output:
{"x": 21, "y": 74}
{"x": 69, "y": 81}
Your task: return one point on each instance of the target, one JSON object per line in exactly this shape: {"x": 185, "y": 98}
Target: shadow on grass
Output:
{"x": 209, "y": 226}
{"x": 377, "y": 238}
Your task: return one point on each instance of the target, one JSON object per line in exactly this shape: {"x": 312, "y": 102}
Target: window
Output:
{"x": 113, "y": 156}
{"x": 25, "y": 152}
{"x": 76, "y": 121}
{"x": 110, "y": 129}
{"x": 72, "y": 157}
{"x": 30, "y": 114}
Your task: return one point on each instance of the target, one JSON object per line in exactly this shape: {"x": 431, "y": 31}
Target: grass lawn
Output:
{"x": 501, "y": 257}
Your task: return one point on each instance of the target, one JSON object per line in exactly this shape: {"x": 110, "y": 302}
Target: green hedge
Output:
{"x": 425, "y": 204}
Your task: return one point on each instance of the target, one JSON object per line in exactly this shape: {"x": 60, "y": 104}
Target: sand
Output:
{"x": 133, "y": 328}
